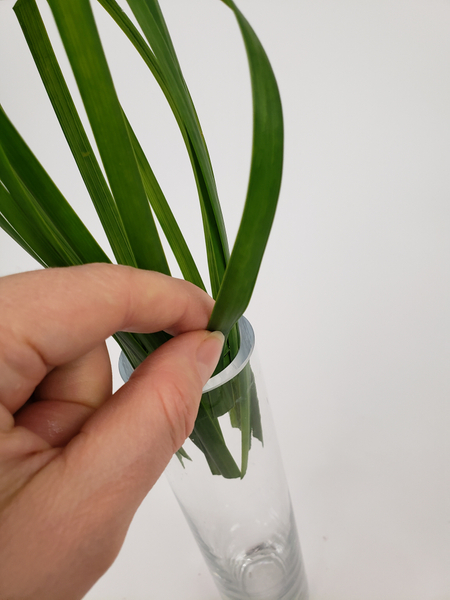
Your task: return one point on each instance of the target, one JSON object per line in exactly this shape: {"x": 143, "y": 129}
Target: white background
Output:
{"x": 351, "y": 310}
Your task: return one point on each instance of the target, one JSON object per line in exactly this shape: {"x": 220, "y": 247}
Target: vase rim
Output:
{"x": 247, "y": 339}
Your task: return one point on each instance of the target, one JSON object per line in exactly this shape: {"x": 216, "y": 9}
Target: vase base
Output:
{"x": 268, "y": 571}
{"x": 262, "y": 570}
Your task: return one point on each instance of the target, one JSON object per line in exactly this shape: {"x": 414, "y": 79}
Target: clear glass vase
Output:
{"x": 242, "y": 519}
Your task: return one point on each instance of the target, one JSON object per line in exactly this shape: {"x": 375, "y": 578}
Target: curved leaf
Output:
{"x": 263, "y": 189}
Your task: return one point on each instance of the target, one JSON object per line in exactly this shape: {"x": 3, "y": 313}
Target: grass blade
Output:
{"x": 15, "y": 236}
{"x": 161, "y": 60}
{"x": 47, "y": 195}
{"x": 76, "y": 24}
{"x": 165, "y": 216}
{"x": 5, "y": 201}
{"x": 44, "y": 57}
{"x": 245, "y": 417}
{"x": 207, "y": 431}
{"x": 30, "y": 221}
{"x": 263, "y": 188}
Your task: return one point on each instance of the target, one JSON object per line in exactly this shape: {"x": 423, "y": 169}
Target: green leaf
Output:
{"x": 30, "y": 221}
{"x": 137, "y": 346}
{"x": 161, "y": 59}
{"x": 245, "y": 417}
{"x": 44, "y": 57}
{"x": 56, "y": 208}
{"x": 207, "y": 431}
{"x": 150, "y": 18}
{"x": 263, "y": 189}
{"x": 5, "y": 198}
{"x": 165, "y": 216}
{"x": 255, "y": 413}
{"x": 81, "y": 40}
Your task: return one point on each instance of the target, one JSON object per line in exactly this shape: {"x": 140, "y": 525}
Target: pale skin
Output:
{"x": 75, "y": 460}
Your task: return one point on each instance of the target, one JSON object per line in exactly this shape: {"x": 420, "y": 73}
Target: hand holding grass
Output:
{"x": 125, "y": 191}
{"x": 76, "y": 461}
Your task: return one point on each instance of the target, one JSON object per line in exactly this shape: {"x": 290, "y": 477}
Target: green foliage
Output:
{"x": 128, "y": 197}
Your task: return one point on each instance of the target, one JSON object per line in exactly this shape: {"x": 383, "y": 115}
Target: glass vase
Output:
{"x": 230, "y": 484}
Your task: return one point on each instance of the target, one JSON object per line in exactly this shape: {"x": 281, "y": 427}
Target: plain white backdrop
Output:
{"x": 351, "y": 310}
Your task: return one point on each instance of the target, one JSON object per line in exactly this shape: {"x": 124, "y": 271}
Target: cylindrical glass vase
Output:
{"x": 243, "y": 522}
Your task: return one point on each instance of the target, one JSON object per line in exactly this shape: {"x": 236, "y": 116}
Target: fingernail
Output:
{"x": 208, "y": 354}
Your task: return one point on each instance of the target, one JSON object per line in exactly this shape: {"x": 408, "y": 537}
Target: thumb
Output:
{"x": 133, "y": 436}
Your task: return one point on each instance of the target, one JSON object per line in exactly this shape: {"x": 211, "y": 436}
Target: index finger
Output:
{"x": 50, "y": 317}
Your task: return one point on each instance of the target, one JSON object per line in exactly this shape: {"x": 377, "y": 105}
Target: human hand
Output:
{"x": 76, "y": 461}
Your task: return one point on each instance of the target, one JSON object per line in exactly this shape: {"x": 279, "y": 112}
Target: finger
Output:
{"x": 94, "y": 486}
{"x": 137, "y": 431}
{"x": 67, "y": 397}
{"x": 54, "y": 316}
